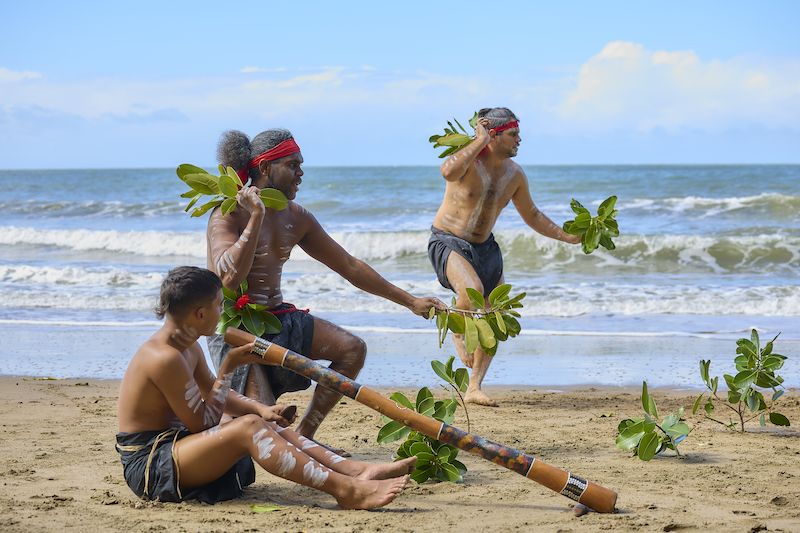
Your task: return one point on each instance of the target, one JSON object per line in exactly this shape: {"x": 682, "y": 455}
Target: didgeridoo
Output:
{"x": 589, "y": 494}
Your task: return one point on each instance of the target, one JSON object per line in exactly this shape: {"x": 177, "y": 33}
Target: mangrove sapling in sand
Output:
{"x": 756, "y": 369}
{"x": 222, "y": 189}
{"x": 647, "y": 436}
{"x": 594, "y": 231}
{"x": 494, "y": 319}
{"x": 435, "y": 460}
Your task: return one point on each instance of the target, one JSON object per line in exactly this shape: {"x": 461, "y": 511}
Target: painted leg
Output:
{"x": 257, "y": 386}
{"x": 204, "y": 457}
{"x": 461, "y": 276}
{"x": 349, "y": 467}
{"x": 347, "y": 353}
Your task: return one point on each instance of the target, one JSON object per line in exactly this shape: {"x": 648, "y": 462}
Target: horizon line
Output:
{"x": 427, "y": 166}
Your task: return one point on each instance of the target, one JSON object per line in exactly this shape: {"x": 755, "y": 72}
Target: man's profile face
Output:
{"x": 213, "y": 310}
{"x": 285, "y": 174}
{"x": 508, "y": 141}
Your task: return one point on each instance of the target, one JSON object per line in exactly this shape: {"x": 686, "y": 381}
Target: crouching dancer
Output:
{"x": 171, "y": 442}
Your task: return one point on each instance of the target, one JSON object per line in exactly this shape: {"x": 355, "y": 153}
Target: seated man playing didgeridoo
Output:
{"x": 171, "y": 442}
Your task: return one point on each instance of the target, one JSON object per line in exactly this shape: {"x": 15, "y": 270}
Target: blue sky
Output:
{"x": 102, "y": 84}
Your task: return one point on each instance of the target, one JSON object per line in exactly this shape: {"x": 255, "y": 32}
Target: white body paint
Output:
{"x": 264, "y": 443}
{"x": 314, "y": 475}
{"x": 308, "y": 443}
{"x": 286, "y": 463}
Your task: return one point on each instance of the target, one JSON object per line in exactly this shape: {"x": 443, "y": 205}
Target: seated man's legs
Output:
{"x": 203, "y": 457}
{"x": 461, "y": 275}
{"x": 347, "y": 353}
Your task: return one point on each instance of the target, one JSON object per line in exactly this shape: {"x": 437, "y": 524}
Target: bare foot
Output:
{"x": 388, "y": 470}
{"x": 479, "y": 397}
{"x": 371, "y": 494}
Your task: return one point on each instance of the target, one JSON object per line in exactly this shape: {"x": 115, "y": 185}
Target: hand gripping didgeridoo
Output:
{"x": 589, "y": 494}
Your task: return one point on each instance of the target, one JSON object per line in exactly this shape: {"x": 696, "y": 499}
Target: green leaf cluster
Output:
{"x": 594, "y": 231}
{"x": 453, "y": 139}
{"x": 435, "y": 460}
{"x": 756, "y": 371}
{"x": 647, "y": 436}
{"x": 494, "y": 319}
{"x": 222, "y": 189}
{"x": 253, "y": 318}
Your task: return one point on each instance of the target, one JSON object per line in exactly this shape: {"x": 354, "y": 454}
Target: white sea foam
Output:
{"x": 524, "y": 249}
{"x": 97, "y": 276}
{"x": 147, "y": 243}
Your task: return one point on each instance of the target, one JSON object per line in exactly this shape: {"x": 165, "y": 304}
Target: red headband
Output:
{"x": 506, "y": 126}
{"x": 287, "y": 147}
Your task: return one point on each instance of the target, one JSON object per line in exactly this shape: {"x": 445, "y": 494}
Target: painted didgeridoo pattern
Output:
{"x": 589, "y": 494}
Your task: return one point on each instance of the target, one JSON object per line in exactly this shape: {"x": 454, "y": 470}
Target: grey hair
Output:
{"x": 236, "y": 150}
{"x": 497, "y": 115}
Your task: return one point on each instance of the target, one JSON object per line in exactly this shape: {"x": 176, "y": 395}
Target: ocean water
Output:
{"x": 706, "y": 253}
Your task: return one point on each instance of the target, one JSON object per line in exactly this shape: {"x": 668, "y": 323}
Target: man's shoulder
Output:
{"x": 158, "y": 355}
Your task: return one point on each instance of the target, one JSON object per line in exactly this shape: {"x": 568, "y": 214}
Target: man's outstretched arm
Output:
{"x": 319, "y": 245}
{"x": 534, "y": 218}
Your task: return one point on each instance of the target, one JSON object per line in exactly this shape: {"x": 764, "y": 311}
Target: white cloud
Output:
{"x": 7, "y": 75}
{"x": 626, "y": 86}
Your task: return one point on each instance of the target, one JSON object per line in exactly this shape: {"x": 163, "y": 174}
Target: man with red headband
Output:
{"x": 253, "y": 243}
{"x": 480, "y": 181}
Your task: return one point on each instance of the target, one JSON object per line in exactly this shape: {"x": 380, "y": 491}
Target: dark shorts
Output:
{"x": 485, "y": 258}
{"x": 151, "y": 473}
{"x": 297, "y": 331}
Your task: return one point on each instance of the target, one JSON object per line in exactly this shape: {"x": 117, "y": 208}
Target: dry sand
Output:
{"x": 59, "y": 470}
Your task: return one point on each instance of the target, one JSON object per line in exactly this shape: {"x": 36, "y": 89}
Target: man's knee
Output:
{"x": 250, "y": 424}
{"x": 354, "y": 353}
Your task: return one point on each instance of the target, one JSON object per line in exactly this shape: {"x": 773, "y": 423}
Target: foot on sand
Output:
{"x": 371, "y": 494}
{"x": 479, "y": 397}
{"x": 388, "y": 470}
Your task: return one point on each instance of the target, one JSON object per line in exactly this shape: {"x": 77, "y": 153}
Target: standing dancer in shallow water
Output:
{"x": 481, "y": 180}
{"x": 171, "y": 442}
{"x": 253, "y": 243}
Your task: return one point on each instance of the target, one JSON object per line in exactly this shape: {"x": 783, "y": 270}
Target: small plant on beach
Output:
{"x": 647, "y": 436}
{"x": 494, "y": 319}
{"x": 239, "y": 312}
{"x": 222, "y": 189}
{"x": 452, "y": 138}
{"x": 594, "y": 231}
{"x": 756, "y": 369}
{"x": 435, "y": 460}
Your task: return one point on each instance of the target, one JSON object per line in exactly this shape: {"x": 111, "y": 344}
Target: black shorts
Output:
{"x": 485, "y": 258}
{"x": 151, "y": 473}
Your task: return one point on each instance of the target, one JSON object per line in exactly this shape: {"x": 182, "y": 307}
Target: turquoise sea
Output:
{"x": 706, "y": 253}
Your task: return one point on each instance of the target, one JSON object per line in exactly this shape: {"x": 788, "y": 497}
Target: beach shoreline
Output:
{"x": 60, "y": 470}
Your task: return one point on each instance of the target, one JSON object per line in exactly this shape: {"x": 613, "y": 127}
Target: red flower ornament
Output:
{"x": 241, "y": 302}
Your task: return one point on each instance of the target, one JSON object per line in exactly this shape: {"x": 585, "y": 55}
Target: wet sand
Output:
{"x": 59, "y": 470}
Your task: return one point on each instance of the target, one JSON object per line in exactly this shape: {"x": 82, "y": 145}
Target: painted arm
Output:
{"x": 534, "y": 218}
{"x": 236, "y": 404}
{"x": 319, "y": 245}
{"x": 231, "y": 254}
{"x": 198, "y": 406}
{"x": 456, "y": 166}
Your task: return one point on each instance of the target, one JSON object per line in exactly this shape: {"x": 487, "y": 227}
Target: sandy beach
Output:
{"x": 60, "y": 471}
